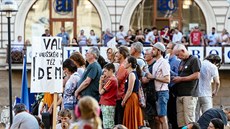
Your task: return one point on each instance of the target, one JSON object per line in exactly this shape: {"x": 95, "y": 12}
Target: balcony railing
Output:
{"x": 17, "y": 53}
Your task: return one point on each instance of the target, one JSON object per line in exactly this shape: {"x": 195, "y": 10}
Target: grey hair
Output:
{"x": 180, "y": 47}
{"x": 138, "y": 46}
{"x": 95, "y": 51}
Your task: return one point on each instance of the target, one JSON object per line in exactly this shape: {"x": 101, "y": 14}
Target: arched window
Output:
{"x": 49, "y": 14}
{"x": 183, "y": 14}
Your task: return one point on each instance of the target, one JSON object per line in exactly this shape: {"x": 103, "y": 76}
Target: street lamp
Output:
{"x": 9, "y": 6}
{"x": 229, "y": 5}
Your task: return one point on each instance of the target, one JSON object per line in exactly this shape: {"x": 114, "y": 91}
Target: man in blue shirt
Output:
{"x": 65, "y": 36}
{"x": 174, "y": 65}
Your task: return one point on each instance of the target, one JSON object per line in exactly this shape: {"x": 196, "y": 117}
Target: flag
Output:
{"x": 24, "y": 90}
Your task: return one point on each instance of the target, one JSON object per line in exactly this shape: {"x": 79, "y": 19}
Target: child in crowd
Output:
{"x": 2, "y": 125}
{"x": 108, "y": 90}
{"x": 65, "y": 116}
{"x": 88, "y": 112}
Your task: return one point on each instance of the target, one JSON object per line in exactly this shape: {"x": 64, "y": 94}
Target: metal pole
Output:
{"x": 8, "y": 15}
{"x": 115, "y": 17}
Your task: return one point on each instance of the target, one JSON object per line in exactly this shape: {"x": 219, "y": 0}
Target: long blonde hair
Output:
{"x": 89, "y": 109}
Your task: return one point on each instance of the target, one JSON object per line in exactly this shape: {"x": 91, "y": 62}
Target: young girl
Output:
{"x": 88, "y": 112}
{"x": 108, "y": 92}
{"x": 133, "y": 117}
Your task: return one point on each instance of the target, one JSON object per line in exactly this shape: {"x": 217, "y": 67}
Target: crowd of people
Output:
{"x": 102, "y": 92}
{"x": 196, "y": 36}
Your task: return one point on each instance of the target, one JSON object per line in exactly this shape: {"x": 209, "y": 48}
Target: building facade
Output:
{"x": 34, "y": 16}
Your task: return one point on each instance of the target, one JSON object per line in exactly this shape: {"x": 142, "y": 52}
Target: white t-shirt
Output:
{"x": 121, "y": 37}
{"x": 213, "y": 38}
{"x": 207, "y": 72}
{"x": 93, "y": 39}
{"x": 177, "y": 37}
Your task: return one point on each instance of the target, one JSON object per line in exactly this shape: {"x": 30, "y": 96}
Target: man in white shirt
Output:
{"x": 213, "y": 37}
{"x": 208, "y": 72}
{"x": 121, "y": 35}
{"x": 177, "y": 36}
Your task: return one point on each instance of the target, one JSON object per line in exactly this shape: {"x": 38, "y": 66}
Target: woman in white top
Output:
{"x": 93, "y": 39}
{"x": 82, "y": 40}
{"x": 224, "y": 39}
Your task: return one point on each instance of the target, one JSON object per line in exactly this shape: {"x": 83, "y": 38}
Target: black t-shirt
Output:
{"x": 209, "y": 115}
{"x": 186, "y": 68}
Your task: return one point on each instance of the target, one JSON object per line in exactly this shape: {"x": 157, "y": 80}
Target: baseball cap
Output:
{"x": 159, "y": 46}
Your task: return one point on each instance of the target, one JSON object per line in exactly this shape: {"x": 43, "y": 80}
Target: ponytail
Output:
{"x": 138, "y": 70}
{"x": 97, "y": 122}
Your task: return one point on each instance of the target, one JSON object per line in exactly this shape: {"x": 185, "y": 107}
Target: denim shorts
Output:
{"x": 162, "y": 98}
{"x": 69, "y": 106}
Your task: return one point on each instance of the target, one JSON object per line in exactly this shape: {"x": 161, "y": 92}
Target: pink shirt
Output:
{"x": 160, "y": 69}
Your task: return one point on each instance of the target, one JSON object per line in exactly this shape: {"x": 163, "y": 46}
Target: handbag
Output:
{"x": 141, "y": 96}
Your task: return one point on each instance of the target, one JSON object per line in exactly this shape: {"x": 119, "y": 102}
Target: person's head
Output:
{"x": 92, "y": 54}
{"x": 27, "y": 42}
{"x": 74, "y": 40}
{"x": 101, "y": 61}
{"x": 65, "y": 116}
{"x": 213, "y": 30}
{"x": 78, "y": 59}
{"x": 62, "y": 29}
{"x": 107, "y": 30}
{"x": 216, "y": 123}
{"x": 69, "y": 67}
{"x": 20, "y": 107}
{"x": 119, "y": 126}
{"x": 215, "y": 59}
{"x": 192, "y": 125}
{"x": 184, "y": 39}
{"x": 224, "y": 31}
{"x": 196, "y": 28}
{"x": 121, "y": 28}
{"x": 2, "y": 125}
{"x": 110, "y": 54}
{"x": 166, "y": 28}
{"x": 148, "y": 56}
{"x": 136, "y": 48}
{"x": 82, "y": 32}
{"x": 92, "y": 32}
{"x": 109, "y": 69}
{"x": 87, "y": 109}
{"x": 158, "y": 49}
{"x": 123, "y": 52}
{"x": 176, "y": 30}
{"x": 169, "y": 48}
{"x": 131, "y": 63}
{"x": 47, "y": 31}
{"x": 180, "y": 51}
{"x": 19, "y": 38}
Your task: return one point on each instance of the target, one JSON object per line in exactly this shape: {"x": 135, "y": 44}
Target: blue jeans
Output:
{"x": 161, "y": 103}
